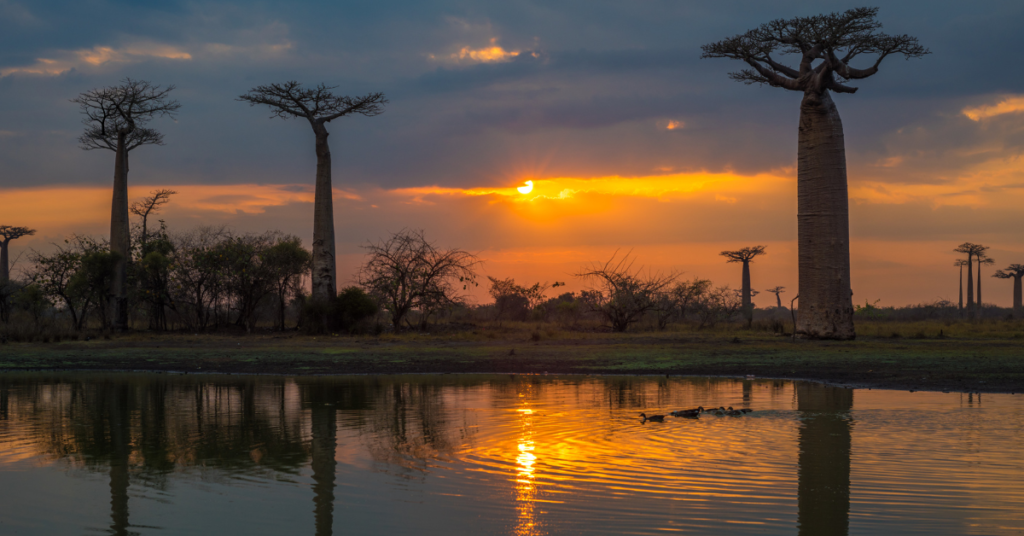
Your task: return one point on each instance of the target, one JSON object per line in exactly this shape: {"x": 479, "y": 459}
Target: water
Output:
{"x": 524, "y": 455}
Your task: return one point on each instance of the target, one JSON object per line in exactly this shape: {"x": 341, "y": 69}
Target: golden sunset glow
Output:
{"x": 64, "y": 61}
{"x": 527, "y": 188}
{"x": 1008, "y": 105}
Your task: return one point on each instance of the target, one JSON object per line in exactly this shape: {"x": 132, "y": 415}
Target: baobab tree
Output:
{"x": 1015, "y": 271}
{"x": 960, "y": 263}
{"x": 982, "y": 259}
{"x": 825, "y": 46}
{"x": 319, "y": 106}
{"x": 150, "y": 205}
{"x": 777, "y": 291}
{"x": 745, "y": 255}
{"x": 115, "y": 120}
{"x": 8, "y": 233}
{"x": 971, "y": 250}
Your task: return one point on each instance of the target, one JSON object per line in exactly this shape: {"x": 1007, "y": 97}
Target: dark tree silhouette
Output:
{"x": 960, "y": 263}
{"x": 745, "y": 255}
{"x": 8, "y": 233}
{"x": 982, "y": 259}
{"x": 115, "y": 119}
{"x": 972, "y": 250}
{"x": 319, "y": 106}
{"x": 777, "y": 291}
{"x": 1015, "y": 271}
{"x": 833, "y": 40}
{"x": 150, "y": 205}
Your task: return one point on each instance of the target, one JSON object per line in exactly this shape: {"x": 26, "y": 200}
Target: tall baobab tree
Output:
{"x": 1015, "y": 271}
{"x": 972, "y": 250}
{"x": 960, "y": 263}
{"x": 115, "y": 120}
{"x": 982, "y": 259}
{"x": 745, "y": 255}
{"x": 825, "y": 45}
{"x": 150, "y": 205}
{"x": 777, "y": 291}
{"x": 8, "y": 233}
{"x": 319, "y": 106}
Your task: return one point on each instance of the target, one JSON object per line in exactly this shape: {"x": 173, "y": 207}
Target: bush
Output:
{"x": 348, "y": 313}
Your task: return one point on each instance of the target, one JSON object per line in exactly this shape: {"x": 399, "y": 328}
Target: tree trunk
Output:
{"x": 778, "y": 300}
{"x": 978, "y": 309}
{"x": 5, "y": 269}
{"x": 324, "y": 277}
{"x": 1018, "y": 309}
{"x": 970, "y": 286}
{"x": 961, "y": 306}
{"x": 748, "y": 311}
{"x": 823, "y": 223}
{"x": 120, "y": 237}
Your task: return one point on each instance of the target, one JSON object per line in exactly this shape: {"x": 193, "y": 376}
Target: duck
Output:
{"x": 653, "y": 418}
{"x": 688, "y": 412}
{"x": 718, "y": 411}
{"x": 734, "y": 412}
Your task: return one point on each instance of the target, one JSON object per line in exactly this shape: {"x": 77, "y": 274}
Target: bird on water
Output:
{"x": 652, "y": 418}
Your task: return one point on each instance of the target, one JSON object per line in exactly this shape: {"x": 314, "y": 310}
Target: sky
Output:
{"x": 633, "y": 143}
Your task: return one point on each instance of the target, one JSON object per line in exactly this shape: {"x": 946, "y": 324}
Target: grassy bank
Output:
{"x": 925, "y": 356}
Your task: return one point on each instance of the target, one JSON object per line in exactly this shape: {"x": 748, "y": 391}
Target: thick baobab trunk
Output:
{"x": 961, "y": 306}
{"x": 5, "y": 268}
{"x": 970, "y": 286}
{"x": 324, "y": 278}
{"x": 977, "y": 308}
{"x": 120, "y": 237}
{"x": 1018, "y": 308}
{"x": 823, "y": 223}
{"x": 748, "y": 311}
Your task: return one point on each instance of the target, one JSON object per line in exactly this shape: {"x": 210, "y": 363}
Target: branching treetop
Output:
{"x": 1014, "y": 270}
{"x": 156, "y": 199}
{"x": 318, "y": 105}
{"x": 124, "y": 110}
{"x": 835, "y": 39}
{"x": 744, "y": 255}
{"x": 971, "y": 249}
{"x": 961, "y": 262}
{"x": 9, "y": 232}
{"x": 776, "y": 290}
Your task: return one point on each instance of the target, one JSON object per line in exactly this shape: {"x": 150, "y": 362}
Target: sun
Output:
{"x": 526, "y": 189}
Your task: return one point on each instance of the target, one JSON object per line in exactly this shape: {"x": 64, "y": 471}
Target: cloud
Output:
{"x": 1007, "y": 105}
{"x": 66, "y": 60}
{"x": 492, "y": 53}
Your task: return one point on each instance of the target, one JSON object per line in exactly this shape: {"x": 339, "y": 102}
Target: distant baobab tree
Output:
{"x": 8, "y": 233}
{"x": 150, "y": 205}
{"x": 972, "y": 250}
{"x": 745, "y": 255}
{"x": 982, "y": 259}
{"x": 115, "y": 119}
{"x": 319, "y": 106}
{"x": 777, "y": 291}
{"x": 826, "y": 304}
{"x": 1015, "y": 271}
{"x": 960, "y": 263}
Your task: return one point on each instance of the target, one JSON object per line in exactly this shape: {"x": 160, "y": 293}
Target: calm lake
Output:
{"x": 91, "y": 453}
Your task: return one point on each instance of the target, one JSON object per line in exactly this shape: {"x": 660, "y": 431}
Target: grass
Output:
{"x": 914, "y": 355}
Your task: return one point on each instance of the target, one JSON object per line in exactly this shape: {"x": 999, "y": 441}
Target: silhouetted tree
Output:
{"x": 8, "y": 233}
{"x": 623, "y": 295}
{"x": 288, "y": 263}
{"x": 972, "y": 250}
{"x": 115, "y": 119}
{"x": 1014, "y": 271}
{"x": 745, "y": 255}
{"x": 833, "y": 40}
{"x": 777, "y": 291}
{"x": 960, "y": 263}
{"x": 150, "y": 205}
{"x": 319, "y": 106}
{"x": 407, "y": 272}
{"x": 982, "y": 259}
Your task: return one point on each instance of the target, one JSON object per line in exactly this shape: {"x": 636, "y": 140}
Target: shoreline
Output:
{"x": 943, "y": 365}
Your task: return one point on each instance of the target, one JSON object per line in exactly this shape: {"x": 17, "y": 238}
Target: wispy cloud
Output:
{"x": 63, "y": 61}
{"x": 1007, "y": 105}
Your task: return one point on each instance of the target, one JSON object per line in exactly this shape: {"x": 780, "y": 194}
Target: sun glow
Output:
{"x": 527, "y": 188}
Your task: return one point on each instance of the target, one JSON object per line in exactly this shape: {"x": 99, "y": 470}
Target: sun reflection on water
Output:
{"x": 526, "y": 486}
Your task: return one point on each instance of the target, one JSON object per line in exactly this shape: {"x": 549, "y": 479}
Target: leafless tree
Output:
{"x": 115, "y": 119}
{"x": 318, "y": 105}
{"x": 8, "y": 233}
{"x": 150, "y": 205}
{"x": 746, "y": 256}
{"x": 777, "y": 291}
{"x": 1016, "y": 272}
{"x": 623, "y": 294}
{"x": 406, "y": 272}
{"x": 982, "y": 259}
{"x": 825, "y": 45}
{"x": 960, "y": 263}
{"x": 972, "y": 250}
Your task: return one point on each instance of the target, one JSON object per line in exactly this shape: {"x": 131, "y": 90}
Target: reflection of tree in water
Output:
{"x": 825, "y": 444}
